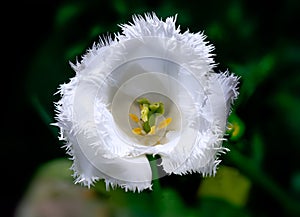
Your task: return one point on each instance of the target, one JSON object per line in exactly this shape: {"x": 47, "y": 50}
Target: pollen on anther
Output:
{"x": 134, "y": 117}
{"x": 164, "y": 123}
{"x": 137, "y": 131}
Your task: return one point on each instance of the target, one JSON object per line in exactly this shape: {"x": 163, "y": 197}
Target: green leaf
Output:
{"x": 253, "y": 74}
{"x": 217, "y": 207}
{"x": 257, "y": 148}
{"x": 228, "y": 184}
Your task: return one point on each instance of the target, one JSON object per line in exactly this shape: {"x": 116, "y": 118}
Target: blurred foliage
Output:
{"x": 228, "y": 184}
{"x": 260, "y": 176}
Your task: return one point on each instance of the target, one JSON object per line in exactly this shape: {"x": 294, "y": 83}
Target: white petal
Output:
{"x": 228, "y": 84}
{"x": 131, "y": 174}
{"x": 95, "y": 157}
{"x": 200, "y": 153}
{"x": 149, "y": 37}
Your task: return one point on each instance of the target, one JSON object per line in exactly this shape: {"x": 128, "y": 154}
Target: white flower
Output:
{"x": 101, "y": 121}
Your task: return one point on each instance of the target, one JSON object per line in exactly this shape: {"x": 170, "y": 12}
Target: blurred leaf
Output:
{"x": 55, "y": 169}
{"x": 255, "y": 173}
{"x": 96, "y": 31}
{"x": 238, "y": 21}
{"x": 172, "y": 205}
{"x": 216, "y": 207}
{"x": 132, "y": 203}
{"x": 253, "y": 74}
{"x": 235, "y": 12}
{"x": 121, "y": 7}
{"x": 290, "y": 53}
{"x": 295, "y": 183}
{"x": 215, "y": 31}
{"x": 288, "y": 106}
{"x": 228, "y": 184}
{"x": 66, "y": 13}
{"x": 163, "y": 202}
{"x": 257, "y": 149}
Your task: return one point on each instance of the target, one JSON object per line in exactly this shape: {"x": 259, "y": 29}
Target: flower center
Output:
{"x": 148, "y": 100}
{"x": 149, "y": 112}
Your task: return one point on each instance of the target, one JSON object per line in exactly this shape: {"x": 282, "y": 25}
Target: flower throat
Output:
{"x": 148, "y": 117}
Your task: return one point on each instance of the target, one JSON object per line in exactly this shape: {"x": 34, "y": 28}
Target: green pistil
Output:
{"x": 149, "y": 111}
{"x": 148, "y": 114}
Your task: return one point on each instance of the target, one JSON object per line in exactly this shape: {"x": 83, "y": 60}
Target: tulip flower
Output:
{"x": 149, "y": 90}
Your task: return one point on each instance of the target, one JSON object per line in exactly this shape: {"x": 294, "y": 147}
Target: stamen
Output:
{"x": 134, "y": 118}
{"x": 148, "y": 114}
{"x": 137, "y": 131}
{"x": 164, "y": 123}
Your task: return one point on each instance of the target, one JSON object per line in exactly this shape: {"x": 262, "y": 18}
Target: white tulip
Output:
{"x": 99, "y": 117}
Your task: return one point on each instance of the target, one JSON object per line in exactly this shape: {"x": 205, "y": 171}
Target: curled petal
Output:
{"x": 96, "y": 157}
{"x": 201, "y": 147}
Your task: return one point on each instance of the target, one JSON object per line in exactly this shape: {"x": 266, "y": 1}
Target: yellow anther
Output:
{"x": 164, "y": 123}
{"x": 152, "y": 130}
{"x": 137, "y": 131}
{"x": 134, "y": 117}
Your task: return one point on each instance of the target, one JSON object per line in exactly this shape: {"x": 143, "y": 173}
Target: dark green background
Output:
{"x": 257, "y": 40}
